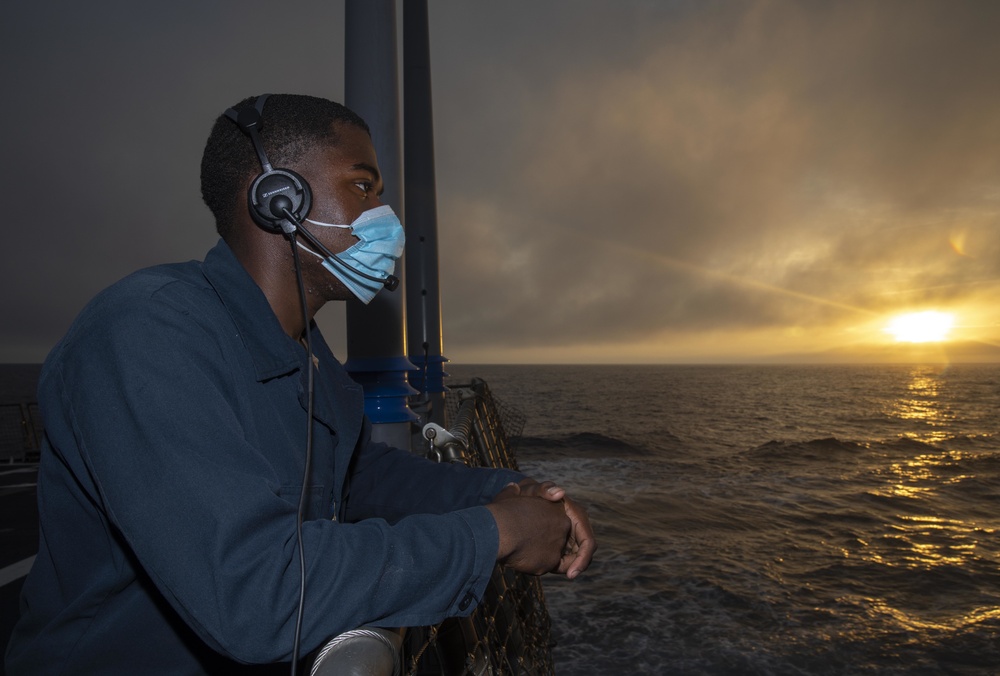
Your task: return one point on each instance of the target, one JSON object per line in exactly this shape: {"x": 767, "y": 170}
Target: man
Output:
{"x": 176, "y": 425}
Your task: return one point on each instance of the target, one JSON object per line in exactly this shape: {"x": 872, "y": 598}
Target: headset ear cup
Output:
{"x": 282, "y": 183}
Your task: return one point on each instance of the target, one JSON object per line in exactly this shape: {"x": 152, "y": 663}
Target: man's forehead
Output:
{"x": 353, "y": 150}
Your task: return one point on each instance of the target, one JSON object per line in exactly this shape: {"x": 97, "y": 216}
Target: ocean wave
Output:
{"x": 974, "y": 442}
{"x": 814, "y": 449}
{"x": 975, "y": 448}
{"x": 582, "y": 444}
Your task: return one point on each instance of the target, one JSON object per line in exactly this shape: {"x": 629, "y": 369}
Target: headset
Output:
{"x": 280, "y": 199}
{"x": 275, "y": 191}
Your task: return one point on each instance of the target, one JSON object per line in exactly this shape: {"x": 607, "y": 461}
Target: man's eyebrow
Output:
{"x": 364, "y": 166}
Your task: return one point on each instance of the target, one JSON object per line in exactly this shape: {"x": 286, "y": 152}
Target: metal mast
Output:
{"x": 376, "y": 333}
{"x": 423, "y": 300}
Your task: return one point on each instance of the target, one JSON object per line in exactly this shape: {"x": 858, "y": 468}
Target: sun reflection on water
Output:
{"x": 922, "y": 404}
{"x": 921, "y": 542}
{"x": 917, "y": 622}
{"x": 925, "y": 542}
{"x": 919, "y": 536}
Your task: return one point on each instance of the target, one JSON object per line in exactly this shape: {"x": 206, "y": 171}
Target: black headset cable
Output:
{"x": 309, "y": 442}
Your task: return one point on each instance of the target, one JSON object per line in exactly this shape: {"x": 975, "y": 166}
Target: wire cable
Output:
{"x": 308, "y": 459}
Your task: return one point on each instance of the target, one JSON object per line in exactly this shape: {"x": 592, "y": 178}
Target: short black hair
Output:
{"x": 290, "y": 125}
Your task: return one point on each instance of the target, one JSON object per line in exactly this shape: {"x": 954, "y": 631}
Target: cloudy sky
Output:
{"x": 627, "y": 181}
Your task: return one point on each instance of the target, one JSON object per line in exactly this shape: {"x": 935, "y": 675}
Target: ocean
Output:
{"x": 771, "y": 519}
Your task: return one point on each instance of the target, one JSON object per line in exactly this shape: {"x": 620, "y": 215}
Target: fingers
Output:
{"x": 509, "y": 491}
{"x": 546, "y": 489}
{"x": 583, "y": 556}
{"x": 552, "y": 492}
{"x": 581, "y": 544}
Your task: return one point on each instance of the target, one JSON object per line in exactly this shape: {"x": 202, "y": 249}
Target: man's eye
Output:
{"x": 365, "y": 187}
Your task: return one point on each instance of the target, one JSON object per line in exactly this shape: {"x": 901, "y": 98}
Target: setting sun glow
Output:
{"x": 921, "y": 327}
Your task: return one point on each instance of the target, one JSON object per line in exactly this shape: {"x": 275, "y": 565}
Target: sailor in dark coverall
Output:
{"x": 175, "y": 417}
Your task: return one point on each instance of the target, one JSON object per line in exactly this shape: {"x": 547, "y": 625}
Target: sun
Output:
{"x": 921, "y": 327}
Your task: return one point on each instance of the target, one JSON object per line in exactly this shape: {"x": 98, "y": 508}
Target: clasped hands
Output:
{"x": 542, "y": 530}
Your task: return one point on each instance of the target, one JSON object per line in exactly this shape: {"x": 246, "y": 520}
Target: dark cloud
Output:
{"x": 609, "y": 173}
{"x": 759, "y": 161}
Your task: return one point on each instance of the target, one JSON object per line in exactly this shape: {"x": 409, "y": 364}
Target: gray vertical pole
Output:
{"x": 423, "y": 300}
{"x": 376, "y": 333}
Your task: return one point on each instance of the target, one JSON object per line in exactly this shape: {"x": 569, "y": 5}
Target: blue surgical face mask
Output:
{"x": 375, "y": 255}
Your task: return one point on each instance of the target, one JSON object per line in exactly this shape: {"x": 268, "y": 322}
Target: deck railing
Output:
{"x": 509, "y": 633}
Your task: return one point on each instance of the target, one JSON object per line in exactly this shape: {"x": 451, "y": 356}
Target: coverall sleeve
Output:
{"x": 391, "y": 483}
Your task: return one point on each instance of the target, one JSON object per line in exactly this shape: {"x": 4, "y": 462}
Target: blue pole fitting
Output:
{"x": 384, "y": 381}
{"x": 428, "y": 375}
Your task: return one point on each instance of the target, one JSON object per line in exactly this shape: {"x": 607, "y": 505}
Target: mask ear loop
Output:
{"x": 328, "y": 225}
